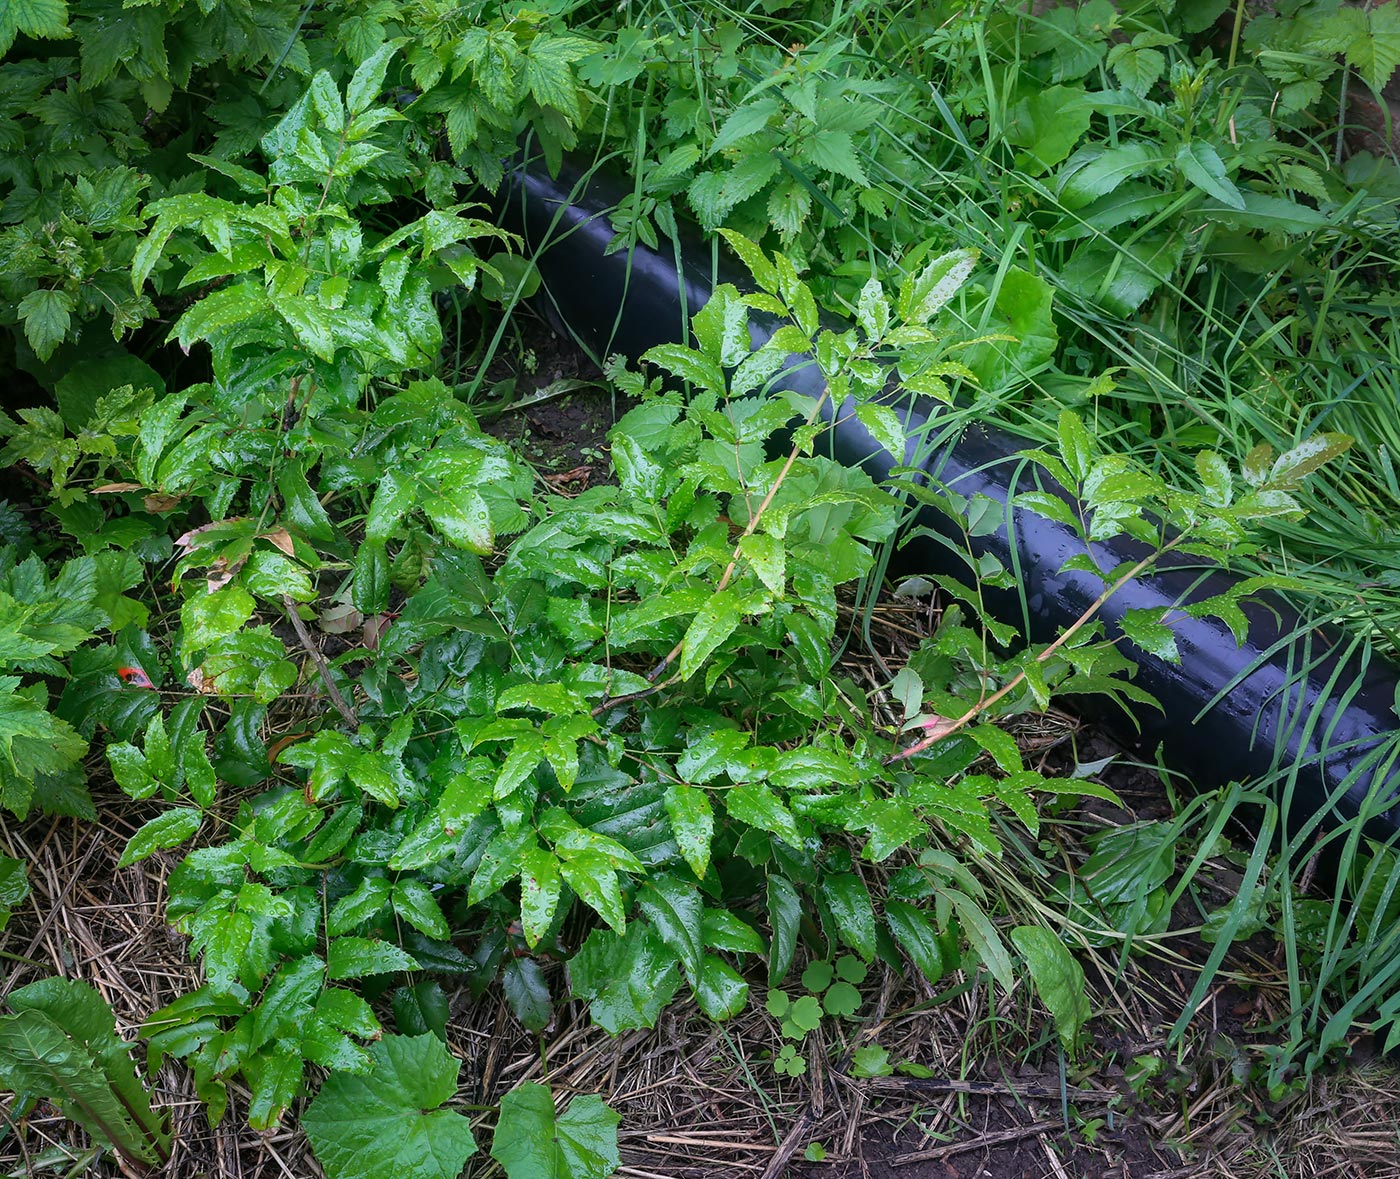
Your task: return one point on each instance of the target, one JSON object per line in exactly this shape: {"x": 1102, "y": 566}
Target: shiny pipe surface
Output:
{"x": 1315, "y": 712}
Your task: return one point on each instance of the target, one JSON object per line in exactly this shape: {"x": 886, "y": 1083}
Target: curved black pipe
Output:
{"x": 1306, "y": 707}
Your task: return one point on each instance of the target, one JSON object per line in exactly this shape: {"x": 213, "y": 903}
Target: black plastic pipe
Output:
{"x": 1306, "y": 708}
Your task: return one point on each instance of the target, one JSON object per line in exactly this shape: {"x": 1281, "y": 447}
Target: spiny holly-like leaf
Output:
{"x": 533, "y": 1143}
{"x": 386, "y": 1124}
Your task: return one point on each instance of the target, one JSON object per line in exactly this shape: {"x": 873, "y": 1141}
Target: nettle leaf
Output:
{"x": 47, "y": 315}
{"x": 387, "y": 1122}
{"x": 532, "y": 1142}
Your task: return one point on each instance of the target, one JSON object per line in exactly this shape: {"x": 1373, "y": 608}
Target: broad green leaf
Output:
{"x": 129, "y": 768}
{"x": 368, "y": 80}
{"x": 1058, "y": 979}
{"x": 757, "y": 805}
{"x": 393, "y": 499}
{"x": 369, "y": 898}
{"x": 916, "y": 938}
{"x": 593, "y": 876}
{"x": 357, "y": 957}
{"x": 386, "y": 1124}
{"x": 47, "y": 314}
{"x": 229, "y": 307}
{"x": 1143, "y": 626}
{"x": 713, "y": 623}
{"x": 85, "y": 1073}
{"x": 527, "y": 993}
{"x": 465, "y": 521}
{"x": 167, "y": 830}
{"x": 924, "y": 295}
{"x": 1293, "y": 465}
{"x": 785, "y": 920}
{"x": 695, "y": 368}
{"x": 532, "y": 1142}
{"x": 208, "y": 617}
{"x": 33, "y": 18}
{"x": 1215, "y": 477}
{"x": 885, "y": 427}
{"x": 1200, "y": 163}
{"x": 628, "y": 979}
{"x": 983, "y": 937}
{"x": 677, "y": 912}
{"x": 849, "y": 901}
{"x": 722, "y": 930}
{"x": 539, "y": 893}
{"x": 719, "y": 991}
{"x": 414, "y": 902}
{"x": 1047, "y": 124}
{"x": 768, "y": 557}
{"x": 692, "y": 823}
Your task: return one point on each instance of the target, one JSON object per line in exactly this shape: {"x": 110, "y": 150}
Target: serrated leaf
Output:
{"x": 386, "y": 1122}
{"x": 539, "y": 893}
{"x": 368, "y": 80}
{"x": 849, "y": 901}
{"x": 1144, "y": 627}
{"x": 465, "y": 521}
{"x": 47, "y": 314}
{"x": 713, "y": 623}
{"x": 414, "y": 902}
{"x": 768, "y": 557}
{"x": 628, "y": 979}
{"x": 1293, "y": 465}
{"x": 695, "y": 368}
{"x": 593, "y": 877}
{"x": 885, "y": 427}
{"x": 357, "y": 957}
{"x": 532, "y": 1142}
{"x": 393, "y": 499}
{"x": 692, "y": 824}
{"x": 1058, "y": 979}
{"x": 367, "y": 900}
{"x": 757, "y": 805}
{"x": 167, "y": 830}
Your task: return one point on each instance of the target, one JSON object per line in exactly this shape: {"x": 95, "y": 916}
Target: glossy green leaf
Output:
{"x": 166, "y": 830}
{"x": 539, "y": 893}
{"x": 1058, "y": 979}
{"x": 693, "y": 824}
{"x": 357, "y": 957}
{"x": 532, "y": 1142}
{"x": 677, "y": 912}
{"x": 849, "y": 901}
{"x": 388, "y": 1121}
{"x": 785, "y": 919}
